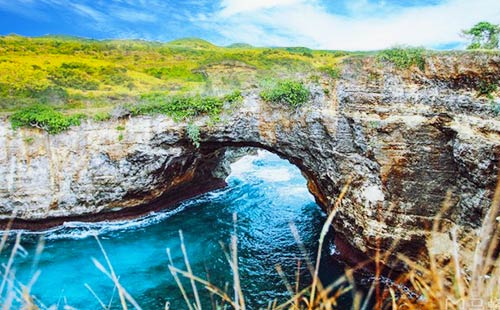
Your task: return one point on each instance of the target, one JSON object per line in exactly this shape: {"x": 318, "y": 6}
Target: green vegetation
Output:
{"x": 102, "y": 116}
{"x": 486, "y": 89}
{"x": 404, "y": 57}
{"x": 193, "y": 132}
{"x": 29, "y": 140}
{"x": 291, "y": 92}
{"x": 194, "y": 43}
{"x": 483, "y": 35}
{"x": 175, "y": 72}
{"x": 495, "y": 108}
{"x": 184, "y": 78}
{"x": 44, "y": 117}
{"x": 234, "y": 97}
{"x": 332, "y": 72}
{"x": 240, "y": 45}
{"x": 73, "y": 73}
{"x": 179, "y": 107}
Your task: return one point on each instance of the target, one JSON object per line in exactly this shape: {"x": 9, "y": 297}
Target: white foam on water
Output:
{"x": 242, "y": 166}
{"x": 279, "y": 174}
{"x": 274, "y": 174}
{"x": 82, "y": 230}
{"x": 81, "y": 233}
{"x": 246, "y": 164}
{"x": 299, "y": 191}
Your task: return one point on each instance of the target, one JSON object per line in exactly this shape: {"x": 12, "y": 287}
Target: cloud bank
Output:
{"x": 363, "y": 25}
{"x": 324, "y": 24}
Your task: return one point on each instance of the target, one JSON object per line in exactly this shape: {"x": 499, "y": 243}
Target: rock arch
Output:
{"x": 404, "y": 139}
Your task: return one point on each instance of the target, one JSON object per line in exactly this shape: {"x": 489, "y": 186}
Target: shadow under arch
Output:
{"x": 210, "y": 155}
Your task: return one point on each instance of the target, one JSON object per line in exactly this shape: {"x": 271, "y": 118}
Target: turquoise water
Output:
{"x": 267, "y": 194}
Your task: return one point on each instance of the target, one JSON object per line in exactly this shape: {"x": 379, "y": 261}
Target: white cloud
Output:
{"x": 363, "y": 24}
{"x": 294, "y": 22}
{"x": 87, "y": 11}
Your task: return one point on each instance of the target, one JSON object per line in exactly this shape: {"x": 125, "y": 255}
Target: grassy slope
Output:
{"x": 75, "y": 73}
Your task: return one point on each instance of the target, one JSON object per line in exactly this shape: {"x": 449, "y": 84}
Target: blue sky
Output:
{"x": 328, "y": 24}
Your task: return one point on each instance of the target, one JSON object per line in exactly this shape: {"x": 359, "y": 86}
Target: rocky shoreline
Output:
{"x": 406, "y": 140}
{"x": 168, "y": 201}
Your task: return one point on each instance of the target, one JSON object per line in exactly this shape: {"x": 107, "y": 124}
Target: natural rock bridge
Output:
{"x": 404, "y": 138}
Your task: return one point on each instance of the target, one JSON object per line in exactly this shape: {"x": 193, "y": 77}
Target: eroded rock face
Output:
{"x": 402, "y": 138}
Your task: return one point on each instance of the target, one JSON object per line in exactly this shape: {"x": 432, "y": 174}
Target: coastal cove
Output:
{"x": 280, "y": 178}
{"x": 267, "y": 194}
{"x": 402, "y": 141}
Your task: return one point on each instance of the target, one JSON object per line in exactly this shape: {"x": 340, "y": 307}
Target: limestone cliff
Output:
{"x": 405, "y": 138}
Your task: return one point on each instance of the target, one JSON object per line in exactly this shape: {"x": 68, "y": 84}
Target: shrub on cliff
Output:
{"x": 193, "y": 133}
{"x": 293, "y": 93}
{"x": 179, "y": 107}
{"x": 44, "y": 117}
{"x": 182, "y": 107}
{"x": 404, "y": 57}
{"x": 234, "y": 97}
{"x": 486, "y": 89}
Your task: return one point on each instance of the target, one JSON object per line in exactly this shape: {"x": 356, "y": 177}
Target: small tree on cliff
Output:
{"x": 483, "y": 35}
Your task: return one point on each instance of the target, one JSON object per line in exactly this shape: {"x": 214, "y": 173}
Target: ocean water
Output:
{"x": 265, "y": 194}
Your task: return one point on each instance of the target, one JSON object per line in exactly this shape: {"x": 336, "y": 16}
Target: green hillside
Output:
{"x": 75, "y": 73}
